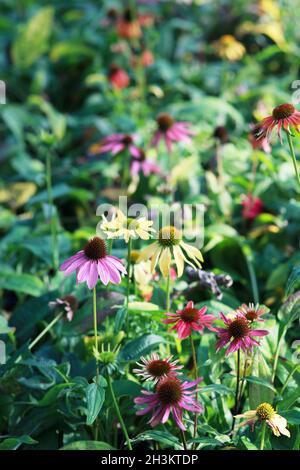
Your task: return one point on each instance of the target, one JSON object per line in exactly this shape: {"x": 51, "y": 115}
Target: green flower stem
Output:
{"x": 45, "y": 330}
{"x": 289, "y": 378}
{"x": 276, "y": 357}
{"x": 238, "y": 366}
{"x": 289, "y": 138}
{"x": 96, "y": 333}
{"x": 54, "y": 244}
{"x": 195, "y": 368}
{"x": 263, "y": 435}
{"x": 183, "y": 439}
{"x": 129, "y": 247}
{"x": 168, "y": 302}
{"x": 121, "y": 421}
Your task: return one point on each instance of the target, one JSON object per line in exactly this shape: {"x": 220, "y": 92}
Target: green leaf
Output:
{"x": 95, "y": 398}
{"x": 247, "y": 444}
{"x": 126, "y": 388}
{"x": 20, "y": 282}
{"x": 33, "y": 38}
{"x": 138, "y": 347}
{"x": 216, "y": 388}
{"x": 12, "y": 443}
{"x": 88, "y": 445}
{"x": 142, "y": 307}
{"x": 292, "y": 416}
{"x": 4, "y": 328}
{"x": 163, "y": 437}
{"x": 120, "y": 319}
{"x": 293, "y": 281}
{"x": 52, "y": 395}
{"x": 260, "y": 387}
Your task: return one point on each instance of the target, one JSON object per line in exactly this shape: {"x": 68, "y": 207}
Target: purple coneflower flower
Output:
{"x": 92, "y": 263}
{"x": 171, "y": 131}
{"x": 116, "y": 143}
{"x": 188, "y": 319}
{"x": 68, "y": 302}
{"x": 170, "y": 396}
{"x": 153, "y": 368}
{"x": 284, "y": 116}
{"x": 253, "y": 312}
{"x": 144, "y": 165}
{"x": 238, "y": 329}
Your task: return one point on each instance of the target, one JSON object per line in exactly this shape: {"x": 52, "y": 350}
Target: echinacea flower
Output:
{"x": 284, "y": 116}
{"x": 170, "y": 396}
{"x": 228, "y": 47}
{"x": 121, "y": 226}
{"x": 262, "y": 143}
{"x": 117, "y": 143}
{"x": 252, "y": 207}
{"x": 188, "y": 319}
{"x": 239, "y": 333}
{"x": 171, "y": 246}
{"x": 144, "y": 165}
{"x": 153, "y": 368}
{"x": 118, "y": 77}
{"x": 128, "y": 27}
{"x": 265, "y": 413}
{"x": 171, "y": 131}
{"x": 92, "y": 263}
{"x": 68, "y": 302}
{"x": 253, "y": 312}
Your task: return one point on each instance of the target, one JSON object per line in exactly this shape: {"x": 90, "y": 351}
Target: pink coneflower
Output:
{"x": 284, "y": 116}
{"x": 68, "y": 302}
{"x": 171, "y": 131}
{"x": 117, "y": 143}
{"x": 92, "y": 263}
{"x": 188, "y": 319}
{"x": 153, "y": 368}
{"x": 252, "y": 207}
{"x": 144, "y": 165}
{"x": 118, "y": 77}
{"x": 170, "y": 396}
{"x": 238, "y": 329}
{"x": 262, "y": 143}
{"x": 253, "y": 312}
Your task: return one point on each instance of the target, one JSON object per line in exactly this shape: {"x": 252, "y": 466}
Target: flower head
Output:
{"x": 153, "y": 368}
{"x": 92, "y": 263}
{"x": 228, "y": 47}
{"x": 252, "y": 207}
{"x": 118, "y": 77}
{"x": 284, "y": 116}
{"x": 128, "y": 27}
{"x": 253, "y": 312}
{"x": 117, "y": 143}
{"x": 239, "y": 333}
{"x": 121, "y": 226}
{"x": 171, "y": 131}
{"x": 170, "y": 396}
{"x": 188, "y": 319}
{"x": 144, "y": 165}
{"x": 265, "y": 412}
{"x": 69, "y": 303}
{"x": 171, "y": 246}
{"x": 262, "y": 143}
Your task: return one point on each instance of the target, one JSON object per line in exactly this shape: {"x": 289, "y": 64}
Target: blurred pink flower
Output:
{"x": 144, "y": 165}
{"x": 171, "y": 131}
{"x": 92, "y": 263}
{"x": 68, "y": 302}
{"x": 188, "y": 319}
{"x": 252, "y": 207}
{"x": 118, "y": 77}
{"x": 170, "y": 396}
{"x": 117, "y": 143}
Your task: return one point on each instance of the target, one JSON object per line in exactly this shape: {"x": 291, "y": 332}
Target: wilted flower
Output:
{"x": 118, "y": 77}
{"x": 92, "y": 263}
{"x": 188, "y": 319}
{"x": 171, "y": 246}
{"x": 171, "y": 131}
{"x": 239, "y": 333}
{"x": 253, "y": 312}
{"x": 170, "y": 396}
{"x": 265, "y": 412}
{"x": 284, "y": 116}
{"x": 229, "y": 48}
{"x": 121, "y": 226}
{"x": 252, "y": 207}
{"x": 153, "y": 368}
{"x": 68, "y": 302}
{"x": 144, "y": 165}
{"x": 117, "y": 143}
